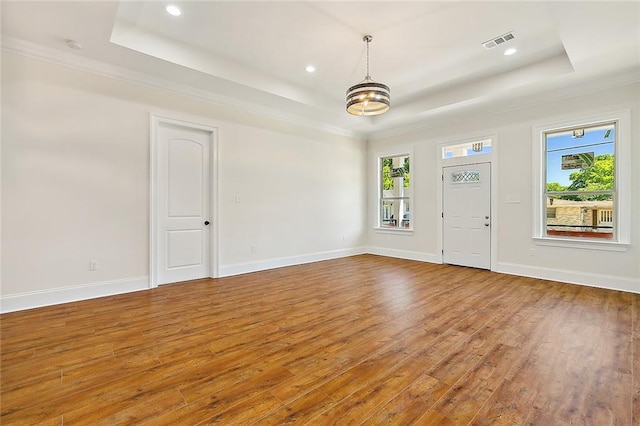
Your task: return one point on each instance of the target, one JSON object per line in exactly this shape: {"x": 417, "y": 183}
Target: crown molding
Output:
{"x": 36, "y": 51}
{"x": 70, "y": 60}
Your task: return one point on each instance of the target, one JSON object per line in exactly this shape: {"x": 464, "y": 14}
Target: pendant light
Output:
{"x": 368, "y": 97}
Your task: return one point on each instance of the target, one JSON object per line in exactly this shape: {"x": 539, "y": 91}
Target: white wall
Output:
{"x": 300, "y": 196}
{"x": 619, "y": 270}
{"x": 75, "y": 185}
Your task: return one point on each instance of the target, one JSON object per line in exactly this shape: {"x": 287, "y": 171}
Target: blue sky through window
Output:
{"x": 466, "y": 149}
{"x": 599, "y": 140}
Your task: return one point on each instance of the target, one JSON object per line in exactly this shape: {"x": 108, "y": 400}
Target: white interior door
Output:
{"x": 467, "y": 215}
{"x": 183, "y": 185}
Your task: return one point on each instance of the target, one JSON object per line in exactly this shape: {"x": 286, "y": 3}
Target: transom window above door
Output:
{"x": 467, "y": 149}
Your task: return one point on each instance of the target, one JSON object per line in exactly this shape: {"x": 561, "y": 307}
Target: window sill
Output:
{"x": 581, "y": 244}
{"x": 401, "y": 231}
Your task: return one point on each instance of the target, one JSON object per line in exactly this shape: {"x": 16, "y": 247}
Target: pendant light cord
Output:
{"x": 368, "y": 77}
{"x": 367, "y": 39}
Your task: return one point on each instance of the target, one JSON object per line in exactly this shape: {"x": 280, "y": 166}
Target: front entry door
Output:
{"x": 467, "y": 215}
{"x": 183, "y": 179}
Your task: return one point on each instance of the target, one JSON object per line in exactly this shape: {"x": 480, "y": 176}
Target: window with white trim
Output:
{"x": 395, "y": 191}
{"x": 580, "y": 181}
{"x": 583, "y": 176}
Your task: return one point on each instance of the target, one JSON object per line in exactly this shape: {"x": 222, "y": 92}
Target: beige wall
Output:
{"x": 75, "y": 181}
{"x": 516, "y": 250}
{"x": 75, "y": 185}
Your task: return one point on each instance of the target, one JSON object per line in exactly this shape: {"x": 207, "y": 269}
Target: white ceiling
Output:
{"x": 253, "y": 54}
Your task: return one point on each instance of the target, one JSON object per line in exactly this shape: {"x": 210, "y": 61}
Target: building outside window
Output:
{"x": 395, "y": 192}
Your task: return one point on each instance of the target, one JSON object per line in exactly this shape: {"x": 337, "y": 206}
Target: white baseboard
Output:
{"x": 405, "y": 254}
{"x": 36, "y": 299}
{"x": 609, "y": 282}
{"x": 262, "y": 265}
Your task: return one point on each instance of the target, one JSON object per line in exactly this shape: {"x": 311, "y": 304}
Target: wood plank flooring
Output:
{"x": 360, "y": 340}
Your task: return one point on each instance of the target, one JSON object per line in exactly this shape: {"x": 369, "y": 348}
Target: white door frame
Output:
{"x": 462, "y": 161}
{"x": 156, "y": 121}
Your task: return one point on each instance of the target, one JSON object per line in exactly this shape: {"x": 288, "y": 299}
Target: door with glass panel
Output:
{"x": 466, "y": 215}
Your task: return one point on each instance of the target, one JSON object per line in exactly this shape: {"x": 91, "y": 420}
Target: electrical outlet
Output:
{"x": 93, "y": 265}
{"x": 532, "y": 252}
{"x": 253, "y": 249}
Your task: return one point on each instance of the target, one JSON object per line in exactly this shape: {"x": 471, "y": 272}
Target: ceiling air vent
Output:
{"x": 498, "y": 40}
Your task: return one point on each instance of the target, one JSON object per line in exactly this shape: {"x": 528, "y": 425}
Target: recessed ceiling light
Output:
{"x": 72, "y": 44}
{"x": 173, "y": 10}
{"x": 510, "y": 51}
{"x": 310, "y": 68}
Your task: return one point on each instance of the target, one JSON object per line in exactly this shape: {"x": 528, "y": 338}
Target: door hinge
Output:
{"x": 442, "y": 176}
{"x": 442, "y": 215}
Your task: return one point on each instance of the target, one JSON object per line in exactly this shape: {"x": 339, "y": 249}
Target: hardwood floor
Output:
{"x": 361, "y": 340}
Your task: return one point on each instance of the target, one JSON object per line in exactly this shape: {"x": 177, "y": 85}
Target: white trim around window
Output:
{"x": 622, "y": 177}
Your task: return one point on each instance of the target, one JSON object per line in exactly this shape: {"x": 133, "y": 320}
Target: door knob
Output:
{"x": 206, "y": 222}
